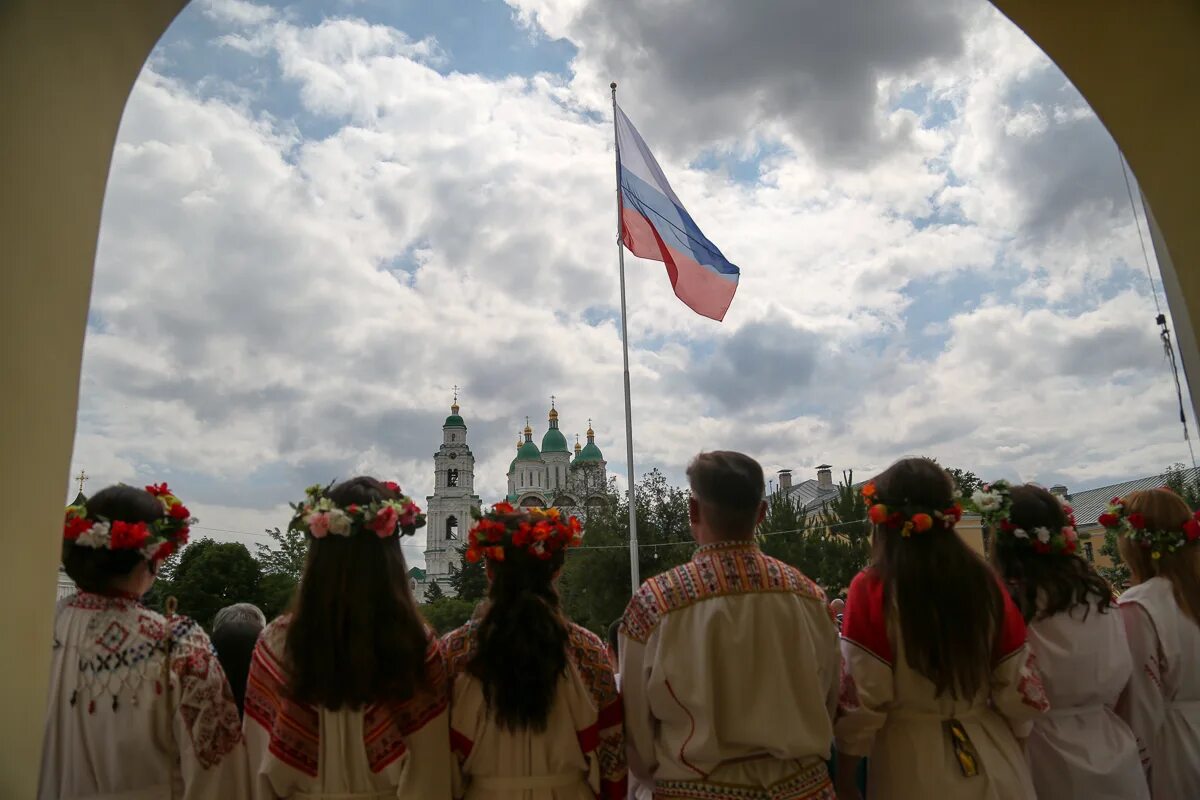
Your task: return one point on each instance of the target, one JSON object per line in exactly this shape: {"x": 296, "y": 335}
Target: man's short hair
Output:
{"x": 240, "y": 614}
{"x": 730, "y": 486}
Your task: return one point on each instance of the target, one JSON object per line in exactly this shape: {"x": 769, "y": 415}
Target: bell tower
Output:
{"x": 449, "y": 507}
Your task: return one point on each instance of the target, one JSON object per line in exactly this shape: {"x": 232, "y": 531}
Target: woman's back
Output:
{"x": 1081, "y": 748}
{"x": 579, "y": 754}
{"x": 393, "y": 748}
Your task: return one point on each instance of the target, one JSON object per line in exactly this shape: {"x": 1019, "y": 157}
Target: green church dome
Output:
{"x": 589, "y": 453}
{"x": 454, "y": 421}
{"x": 554, "y": 442}
{"x": 529, "y": 452}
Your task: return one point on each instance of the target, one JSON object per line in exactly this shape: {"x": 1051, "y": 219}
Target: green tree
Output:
{"x": 275, "y": 593}
{"x": 1177, "y": 481}
{"x": 433, "y": 592}
{"x": 285, "y": 555}
{"x": 447, "y": 613}
{"x": 469, "y": 580}
{"x": 966, "y": 483}
{"x": 1118, "y": 574}
{"x": 846, "y": 541}
{"x": 212, "y": 575}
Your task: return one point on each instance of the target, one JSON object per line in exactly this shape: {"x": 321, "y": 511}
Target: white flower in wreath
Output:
{"x": 986, "y": 501}
{"x": 96, "y": 536}
{"x": 1020, "y": 533}
{"x": 1042, "y": 534}
{"x": 339, "y": 522}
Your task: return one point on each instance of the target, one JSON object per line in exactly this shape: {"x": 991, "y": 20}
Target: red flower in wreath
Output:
{"x": 393, "y": 486}
{"x": 1191, "y": 528}
{"x": 1108, "y": 520}
{"x": 1137, "y": 521}
{"x": 165, "y": 549}
{"x": 179, "y": 511}
{"x": 384, "y": 522}
{"x": 922, "y": 522}
{"x": 158, "y": 489}
{"x": 75, "y": 526}
{"x": 503, "y": 508}
{"x": 127, "y": 535}
{"x": 878, "y": 513}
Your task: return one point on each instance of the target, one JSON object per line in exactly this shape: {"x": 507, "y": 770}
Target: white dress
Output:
{"x": 138, "y": 708}
{"x": 395, "y": 749}
{"x": 730, "y": 670}
{"x": 893, "y": 715}
{"x": 579, "y": 756}
{"x": 1162, "y": 702}
{"x": 1081, "y": 748}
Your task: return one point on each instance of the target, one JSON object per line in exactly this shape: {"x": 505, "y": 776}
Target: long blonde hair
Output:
{"x": 1165, "y": 511}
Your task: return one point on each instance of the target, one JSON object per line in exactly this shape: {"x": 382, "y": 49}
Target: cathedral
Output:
{"x": 544, "y": 477}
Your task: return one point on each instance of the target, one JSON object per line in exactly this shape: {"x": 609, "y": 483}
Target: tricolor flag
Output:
{"x": 655, "y": 225}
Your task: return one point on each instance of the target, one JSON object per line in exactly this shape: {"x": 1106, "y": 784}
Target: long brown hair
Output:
{"x": 355, "y": 636}
{"x": 949, "y": 601}
{"x": 1165, "y": 511}
{"x": 1045, "y": 584}
{"x": 521, "y": 641}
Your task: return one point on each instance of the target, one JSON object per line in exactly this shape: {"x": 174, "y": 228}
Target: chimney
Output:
{"x": 824, "y": 477}
{"x": 785, "y": 480}
{"x": 1058, "y": 490}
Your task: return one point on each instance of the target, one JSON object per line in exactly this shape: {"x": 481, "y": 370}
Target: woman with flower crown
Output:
{"x": 1159, "y": 538}
{"x": 1081, "y": 748}
{"x": 936, "y": 669}
{"x": 138, "y": 706}
{"x": 535, "y": 712}
{"x": 347, "y": 693}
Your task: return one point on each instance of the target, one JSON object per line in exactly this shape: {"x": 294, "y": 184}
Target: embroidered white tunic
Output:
{"x": 1081, "y": 748}
{"x": 138, "y": 707}
{"x": 580, "y": 755}
{"x": 892, "y": 714}
{"x": 1162, "y": 702}
{"x": 384, "y": 750}
{"x": 729, "y": 666}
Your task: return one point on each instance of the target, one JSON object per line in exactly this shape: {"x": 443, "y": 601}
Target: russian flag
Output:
{"x": 655, "y": 225}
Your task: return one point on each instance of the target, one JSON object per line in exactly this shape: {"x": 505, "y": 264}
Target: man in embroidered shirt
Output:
{"x": 730, "y": 662}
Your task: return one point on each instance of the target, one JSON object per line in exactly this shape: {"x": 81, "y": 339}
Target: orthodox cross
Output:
{"x": 456, "y": 394}
{"x": 552, "y": 399}
{"x": 82, "y": 478}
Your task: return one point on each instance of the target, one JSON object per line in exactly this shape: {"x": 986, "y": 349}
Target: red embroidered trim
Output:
{"x": 712, "y": 572}
{"x": 692, "y": 720}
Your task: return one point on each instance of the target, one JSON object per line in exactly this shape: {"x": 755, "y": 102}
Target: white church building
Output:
{"x": 543, "y": 477}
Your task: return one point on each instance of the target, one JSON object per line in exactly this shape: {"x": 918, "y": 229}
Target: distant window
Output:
{"x": 452, "y": 477}
{"x": 1087, "y": 549}
{"x": 452, "y": 437}
{"x": 452, "y": 528}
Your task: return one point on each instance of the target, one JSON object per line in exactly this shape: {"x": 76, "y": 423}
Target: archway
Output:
{"x": 67, "y": 69}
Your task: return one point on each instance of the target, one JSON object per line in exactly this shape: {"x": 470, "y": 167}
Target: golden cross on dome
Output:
{"x": 82, "y": 478}
{"x": 455, "y": 393}
{"x": 552, "y": 399}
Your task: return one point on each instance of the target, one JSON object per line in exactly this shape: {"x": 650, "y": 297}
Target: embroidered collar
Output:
{"x": 720, "y": 547}
{"x": 98, "y": 601}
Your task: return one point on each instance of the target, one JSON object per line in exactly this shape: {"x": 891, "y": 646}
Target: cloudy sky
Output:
{"x": 323, "y": 215}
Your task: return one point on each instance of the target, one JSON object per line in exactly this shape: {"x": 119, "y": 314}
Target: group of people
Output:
{"x": 727, "y": 677}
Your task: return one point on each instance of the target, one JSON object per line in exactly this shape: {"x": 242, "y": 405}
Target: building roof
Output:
{"x": 590, "y": 452}
{"x": 1091, "y": 503}
{"x": 529, "y": 452}
{"x": 810, "y": 495}
{"x": 418, "y": 573}
{"x": 554, "y": 441}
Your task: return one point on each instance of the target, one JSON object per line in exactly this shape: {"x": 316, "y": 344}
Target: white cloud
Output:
{"x": 272, "y": 309}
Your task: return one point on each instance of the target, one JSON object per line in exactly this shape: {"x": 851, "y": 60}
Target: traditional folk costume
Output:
{"x": 579, "y": 756}
{"x": 1081, "y": 748}
{"x": 730, "y": 670}
{"x": 921, "y": 745}
{"x": 1162, "y": 702}
{"x": 389, "y": 749}
{"x": 139, "y": 708}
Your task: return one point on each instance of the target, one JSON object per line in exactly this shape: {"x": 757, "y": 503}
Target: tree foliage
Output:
{"x": 469, "y": 580}
{"x": 433, "y": 592}
{"x": 285, "y": 555}
{"x": 1177, "y": 481}
{"x": 212, "y": 575}
{"x": 447, "y": 613}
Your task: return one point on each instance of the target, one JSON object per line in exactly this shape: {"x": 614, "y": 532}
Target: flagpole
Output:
{"x": 634, "y": 578}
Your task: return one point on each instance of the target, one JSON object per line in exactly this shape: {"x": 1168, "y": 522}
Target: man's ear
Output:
{"x": 693, "y": 510}
{"x": 762, "y": 512}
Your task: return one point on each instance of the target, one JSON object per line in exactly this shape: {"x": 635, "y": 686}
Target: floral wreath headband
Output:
{"x": 540, "y": 532}
{"x": 1133, "y": 527}
{"x": 320, "y": 516}
{"x": 995, "y": 506}
{"x": 154, "y": 540}
{"x": 907, "y": 519}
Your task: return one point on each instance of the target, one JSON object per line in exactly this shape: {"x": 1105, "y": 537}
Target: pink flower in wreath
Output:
{"x": 318, "y": 524}
{"x": 409, "y": 518}
{"x": 384, "y": 522}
